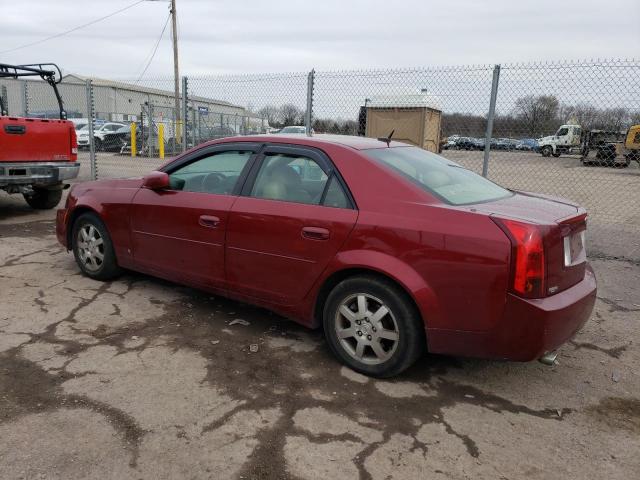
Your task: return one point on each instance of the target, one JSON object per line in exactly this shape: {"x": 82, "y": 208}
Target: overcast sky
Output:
{"x": 251, "y": 36}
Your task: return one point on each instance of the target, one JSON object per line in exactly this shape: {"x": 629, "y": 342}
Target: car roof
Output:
{"x": 357, "y": 143}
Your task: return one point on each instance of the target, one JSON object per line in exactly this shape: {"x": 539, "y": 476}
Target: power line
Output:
{"x": 66, "y": 32}
{"x": 155, "y": 48}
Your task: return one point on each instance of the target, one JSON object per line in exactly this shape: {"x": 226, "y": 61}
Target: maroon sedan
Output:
{"x": 390, "y": 248}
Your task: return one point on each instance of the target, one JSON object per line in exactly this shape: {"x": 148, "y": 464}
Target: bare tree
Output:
{"x": 614, "y": 119}
{"x": 583, "y": 114}
{"x": 538, "y": 113}
{"x": 271, "y": 114}
{"x": 291, "y": 115}
{"x": 634, "y": 117}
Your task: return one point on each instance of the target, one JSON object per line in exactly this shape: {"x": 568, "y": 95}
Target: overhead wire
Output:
{"x": 71, "y": 30}
{"x": 155, "y": 49}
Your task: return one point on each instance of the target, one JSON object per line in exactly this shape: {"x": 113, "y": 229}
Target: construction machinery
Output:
{"x": 611, "y": 148}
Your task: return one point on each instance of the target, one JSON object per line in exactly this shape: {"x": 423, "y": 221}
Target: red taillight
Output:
{"x": 528, "y": 261}
{"x": 74, "y": 144}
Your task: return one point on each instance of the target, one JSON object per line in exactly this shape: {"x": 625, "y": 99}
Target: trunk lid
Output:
{"x": 562, "y": 224}
{"x": 37, "y": 140}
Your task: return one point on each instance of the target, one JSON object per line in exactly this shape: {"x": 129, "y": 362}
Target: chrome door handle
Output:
{"x": 315, "y": 233}
{"x": 209, "y": 221}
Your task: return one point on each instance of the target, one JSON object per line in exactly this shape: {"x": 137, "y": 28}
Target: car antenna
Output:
{"x": 387, "y": 140}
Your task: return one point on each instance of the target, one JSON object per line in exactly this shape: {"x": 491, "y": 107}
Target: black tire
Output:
{"x": 556, "y": 154}
{"x": 403, "y": 315}
{"x": 97, "y": 143}
{"x": 546, "y": 151}
{"x": 105, "y": 269}
{"x": 43, "y": 199}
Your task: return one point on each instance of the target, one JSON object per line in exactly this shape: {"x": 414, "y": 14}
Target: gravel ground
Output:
{"x": 141, "y": 378}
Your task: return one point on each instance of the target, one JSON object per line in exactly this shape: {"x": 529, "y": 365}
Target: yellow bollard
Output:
{"x": 133, "y": 139}
{"x": 161, "y": 140}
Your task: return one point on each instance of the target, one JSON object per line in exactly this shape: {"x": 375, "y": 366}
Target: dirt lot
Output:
{"x": 140, "y": 378}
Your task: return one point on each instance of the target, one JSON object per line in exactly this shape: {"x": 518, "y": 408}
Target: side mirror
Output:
{"x": 156, "y": 181}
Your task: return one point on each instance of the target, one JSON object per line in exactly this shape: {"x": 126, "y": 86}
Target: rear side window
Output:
{"x": 290, "y": 178}
{"x": 335, "y": 196}
{"x": 439, "y": 176}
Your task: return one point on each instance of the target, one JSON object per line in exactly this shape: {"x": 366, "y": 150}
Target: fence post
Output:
{"x": 490, "y": 116}
{"x": 5, "y": 100}
{"x": 151, "y": 149}
{"x": 91, "y": 116}
{"x": 25, "y": 98}
{"x": 185, "y": 93}
{"x": 309, "y": 113}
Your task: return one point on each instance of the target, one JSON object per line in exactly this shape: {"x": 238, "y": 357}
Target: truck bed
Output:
{"x": 37, "y": 140}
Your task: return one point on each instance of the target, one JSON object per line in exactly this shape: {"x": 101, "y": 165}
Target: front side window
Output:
{"x": 562, "y": 132}
{"x": 437, "y": 175}
{"x": 216, "y": 173}
{"x": 290, "y": 178}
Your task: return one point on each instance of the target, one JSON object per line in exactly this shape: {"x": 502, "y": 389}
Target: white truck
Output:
{"x": 567, "y": 137}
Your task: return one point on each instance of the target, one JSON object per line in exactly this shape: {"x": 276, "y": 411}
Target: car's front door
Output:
{"x": 293, "y": 216}
{"x": 179, "y": 233}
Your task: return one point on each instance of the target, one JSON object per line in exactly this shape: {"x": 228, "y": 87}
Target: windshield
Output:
{"x": 81, "y": 126}
{"x": 435, "y": 174}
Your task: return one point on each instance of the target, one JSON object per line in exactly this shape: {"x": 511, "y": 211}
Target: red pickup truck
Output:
{"x": 37, "y": 155}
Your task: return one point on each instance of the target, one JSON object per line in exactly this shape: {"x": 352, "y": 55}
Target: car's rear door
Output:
{"x": 179, "y": 233}
{"x": 293, "y": 216}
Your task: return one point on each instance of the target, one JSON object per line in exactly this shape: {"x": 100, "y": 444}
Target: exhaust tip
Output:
{"x": 549, "y": 358}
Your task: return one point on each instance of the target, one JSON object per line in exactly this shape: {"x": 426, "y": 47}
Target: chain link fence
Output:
{"x": 553, "y": 128}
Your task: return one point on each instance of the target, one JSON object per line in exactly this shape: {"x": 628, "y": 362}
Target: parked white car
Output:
{"x": 297, "y": 129}
{"x": 99, "y": 131}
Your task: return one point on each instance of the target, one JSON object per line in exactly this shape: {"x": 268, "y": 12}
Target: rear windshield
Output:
{"x": 435, "y": 174}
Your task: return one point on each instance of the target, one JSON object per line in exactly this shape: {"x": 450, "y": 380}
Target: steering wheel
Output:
{"x": 212, "y": 180}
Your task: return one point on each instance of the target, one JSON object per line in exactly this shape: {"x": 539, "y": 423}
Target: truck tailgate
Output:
{"x": 37, "y": 140}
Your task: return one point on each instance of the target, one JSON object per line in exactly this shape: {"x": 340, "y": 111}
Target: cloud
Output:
{"x": 234, "y": 36}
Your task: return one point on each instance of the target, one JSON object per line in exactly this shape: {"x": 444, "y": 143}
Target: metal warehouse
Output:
{"x": 113, "y": 101}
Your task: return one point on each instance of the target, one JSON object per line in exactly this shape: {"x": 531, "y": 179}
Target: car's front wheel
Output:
{"x": 373, "y": 327}
{"x": 93, "y": 249}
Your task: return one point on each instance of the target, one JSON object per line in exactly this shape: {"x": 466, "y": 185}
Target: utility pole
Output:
{"x": 176, "y": 72}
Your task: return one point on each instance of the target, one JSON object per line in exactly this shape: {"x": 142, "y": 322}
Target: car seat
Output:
{"x": 283, "y": 183}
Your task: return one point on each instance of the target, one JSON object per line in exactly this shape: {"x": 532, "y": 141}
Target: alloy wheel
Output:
{"x": 90, "y": 247}
{"x": 366, "y": 329}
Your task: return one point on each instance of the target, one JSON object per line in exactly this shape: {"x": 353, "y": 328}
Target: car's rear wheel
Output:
{"x": 373, "y": 327}
{"x": 43, "y": 199}
{"x": 93, "y": 249}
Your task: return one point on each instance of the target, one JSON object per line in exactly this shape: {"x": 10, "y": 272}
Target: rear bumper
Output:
{"x": 37, "y": 173}
{"x": 528, "y": 328}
